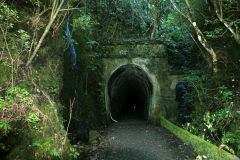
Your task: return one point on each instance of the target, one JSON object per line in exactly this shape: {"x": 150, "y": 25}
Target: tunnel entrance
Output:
{"x": 130, "y": 92}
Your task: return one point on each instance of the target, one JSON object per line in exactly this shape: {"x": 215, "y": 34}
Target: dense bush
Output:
{"x": 216, "y": 116}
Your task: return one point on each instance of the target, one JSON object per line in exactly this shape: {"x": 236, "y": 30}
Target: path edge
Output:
{"x": 200, "y": 146}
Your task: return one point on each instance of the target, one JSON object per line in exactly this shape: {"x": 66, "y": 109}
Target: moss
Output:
{"x": 134, "y": 50}
{"x": 39, "y": 139}
{"x": 19, "y": 143}
{"x": 200, "y": 146}
{"x": 44, "y": 139}
{"x": 39, "y": 142}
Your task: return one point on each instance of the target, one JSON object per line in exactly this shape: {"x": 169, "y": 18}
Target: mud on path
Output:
{"x": 138, "y": 140}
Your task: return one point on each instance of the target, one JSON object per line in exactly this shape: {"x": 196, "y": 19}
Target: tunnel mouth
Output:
{"x": 130, "y": 91}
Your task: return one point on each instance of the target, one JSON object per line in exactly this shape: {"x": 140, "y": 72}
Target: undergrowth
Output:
{"x": 30, "y": 126}
{"x": 216, "y": 116}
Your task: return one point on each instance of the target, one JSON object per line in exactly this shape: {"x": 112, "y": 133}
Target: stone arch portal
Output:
{"x": 127, "y": 70}
{"x": 130, "y": 92}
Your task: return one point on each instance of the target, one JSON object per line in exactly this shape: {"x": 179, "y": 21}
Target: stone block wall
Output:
{"x": 152, "y": 58}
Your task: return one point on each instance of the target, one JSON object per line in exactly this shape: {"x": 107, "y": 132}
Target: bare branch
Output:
{"x": 69, "y": 121}
{"x": 219, "y": 14}
{"x": 184, "y": 15}
{"x": 69, "y": 9}
{"x": 55, "y": 10}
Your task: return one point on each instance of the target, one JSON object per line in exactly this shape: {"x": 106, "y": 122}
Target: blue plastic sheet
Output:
{"x": 72, "y": 51}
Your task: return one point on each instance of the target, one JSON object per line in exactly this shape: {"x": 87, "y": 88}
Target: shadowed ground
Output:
{"x": 137, "y": 140}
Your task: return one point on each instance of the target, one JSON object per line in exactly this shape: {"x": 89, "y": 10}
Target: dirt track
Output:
{"x": 137, "y": 140}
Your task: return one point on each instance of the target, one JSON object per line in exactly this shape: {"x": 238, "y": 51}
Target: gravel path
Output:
{"x": 137, "y": 140}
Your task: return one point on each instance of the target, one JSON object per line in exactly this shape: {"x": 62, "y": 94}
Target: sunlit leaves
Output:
{"x": 83, "y": 22}
{"x": 5, "y": 126}
{"x": 7, "y": 16}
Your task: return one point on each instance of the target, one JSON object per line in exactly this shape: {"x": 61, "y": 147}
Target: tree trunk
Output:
{"x": 219, "y": 13}
{"x": 201, "y": 37}
{"x": 155, "y": 20}
{"x": 208, "y": 48}
{"x": 55, "y": 11}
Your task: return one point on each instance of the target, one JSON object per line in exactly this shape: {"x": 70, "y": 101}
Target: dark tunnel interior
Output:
{"x": 130, "y": 91}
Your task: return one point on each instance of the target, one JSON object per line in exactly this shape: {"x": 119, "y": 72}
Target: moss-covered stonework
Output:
{"x": 134, "y": 50}
{"x": 200, "y": 146}
{"x": 152, "y": 58}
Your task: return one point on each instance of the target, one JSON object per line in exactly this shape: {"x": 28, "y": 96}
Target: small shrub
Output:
{"x": 55, "y": 153}
{"x": 5, "y": 126}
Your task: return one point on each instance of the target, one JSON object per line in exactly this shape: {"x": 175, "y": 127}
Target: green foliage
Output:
{"x": 21, "y": 122}
{"x": 55, "y": 153}
{"x": 8, "y": 107}
{"x": 18, "y": 95}
{"x": 217, "y": 113}
{"x": 199, "y": 157}
{"x": 177, "y": 36}
{"x": 7, "y": 16}
{"x": 37, "y": 3}
{"x": 15, "y": 43}
{"x": 2, "y": 104}
{"x": 17, "y": 90}
{"x": 23, "y": 39}
{"x": 4, "y": 64}
{"x": 123, "y": 52}
{"x": 73, "y": 154}
{"x": 3, "y": 147}
{"x": 214, "y": 33}
{"x": 33, "y": 118}
{"x": 36, "y": 144}
{"x": 83, "y": 22}
{"x": 5, "y": 126}
{"x": 19, "y": 45}
{"x": 92, "y": 44}
{"x": 232, "y": 138}
{"x": 49, "y": 76}
{"x": 216, "y": 119}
